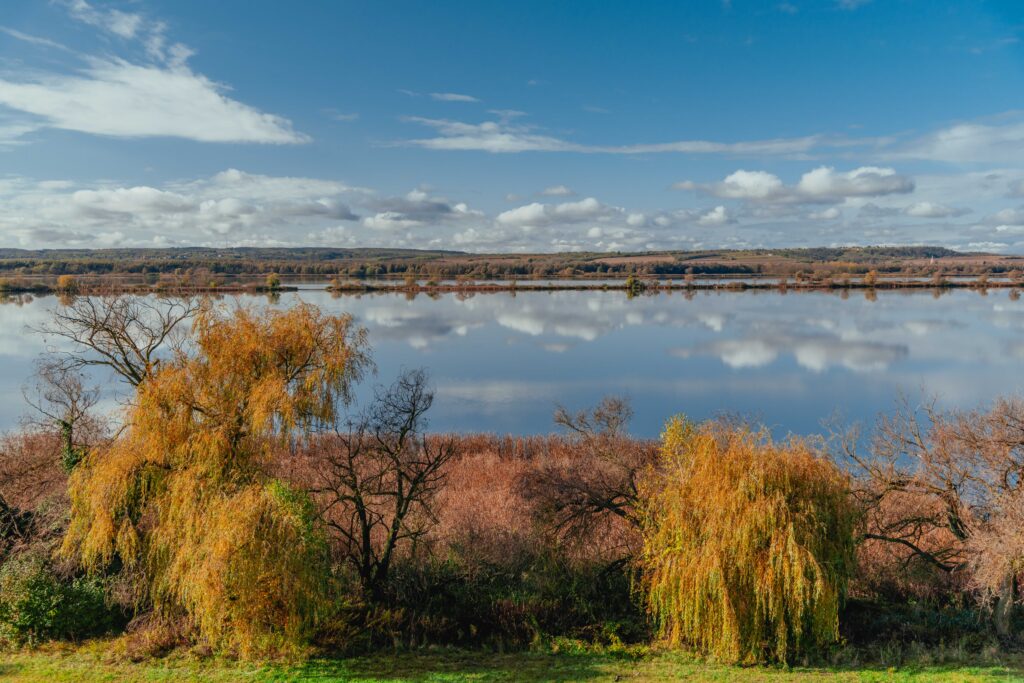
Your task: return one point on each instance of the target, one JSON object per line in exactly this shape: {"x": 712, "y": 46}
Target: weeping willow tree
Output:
{"x": 747, "y": 544}
{"x": 182, "y": 502}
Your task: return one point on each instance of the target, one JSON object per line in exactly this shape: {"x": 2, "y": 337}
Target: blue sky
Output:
{"x": 519, "y": 126}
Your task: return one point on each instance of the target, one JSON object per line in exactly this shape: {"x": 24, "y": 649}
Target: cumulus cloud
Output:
{"x": 821, "y": 185}
{"x": 716, "y": 216}
{"x": 538, "y": 215}
{"x": 867, "y": 181}
{"x": 234, "y": 206}
{"x": 416, "y": 209}
{"x": 114, "y": 96}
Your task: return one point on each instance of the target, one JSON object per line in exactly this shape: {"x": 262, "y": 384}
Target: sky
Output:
{"x": 512, "y": 127}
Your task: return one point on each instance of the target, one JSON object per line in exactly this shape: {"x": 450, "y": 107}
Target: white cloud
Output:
{"x": 866, "y": 181}
{"x": 234, "y": 206}
{"x": 416, "y": 209}
{"x": 122, "y": 24}
{"x": 970, "y": 142}
{"x": 933, "y": 210}
{"x": 452, "y": 97}
{"x": 821, "y": 185}
{"x": 716, "y": 216}
{"x": 116, "y": 97}
{"x": 1001, "y": 140}
{"x": 538, "y": 215}
{"x": 34, "y": 40}
{"x": 557, "y": 191}
{"x": 120, "y": 99}
{"x": 506, "y": 137}
{"x": 238, "y": 208}
{"x": 741, "y": 184}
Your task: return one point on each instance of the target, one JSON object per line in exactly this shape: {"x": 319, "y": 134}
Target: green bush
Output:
{"x": 529, "y": 600}
{"x": 38, "y": 605}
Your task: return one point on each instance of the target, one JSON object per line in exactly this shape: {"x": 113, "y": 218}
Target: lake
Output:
{"x": 502, "y": 362}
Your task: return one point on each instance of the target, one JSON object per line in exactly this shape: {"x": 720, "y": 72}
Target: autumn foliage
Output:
{"x": 747, "y": 544}
{"x": 182, "y": 500}
{"x": 241, "y": 502}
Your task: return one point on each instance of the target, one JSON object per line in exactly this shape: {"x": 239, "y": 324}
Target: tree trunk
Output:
{"x": 1004, "y": 606}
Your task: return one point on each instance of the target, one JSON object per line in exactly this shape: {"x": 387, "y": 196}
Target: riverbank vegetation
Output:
{"x": 268, "y": 269}
{"x": 240, "y": 504}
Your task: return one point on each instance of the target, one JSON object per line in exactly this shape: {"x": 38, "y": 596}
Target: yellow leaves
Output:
{"x": 182, "y": 493}
{"x": 747, "y": 543}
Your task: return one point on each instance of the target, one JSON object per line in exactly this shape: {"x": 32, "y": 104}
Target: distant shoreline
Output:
{"x": 633, "y": 286}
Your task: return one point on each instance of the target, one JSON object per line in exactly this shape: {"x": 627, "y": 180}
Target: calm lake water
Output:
{"x": 502, "y": 362}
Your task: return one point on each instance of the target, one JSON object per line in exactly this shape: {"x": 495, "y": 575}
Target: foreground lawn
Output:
{"x": 64, "y": 664}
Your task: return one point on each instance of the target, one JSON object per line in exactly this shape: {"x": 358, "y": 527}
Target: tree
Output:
{"x": 67, "y": 284}
{"x": 375, "y": 478}
{"x": 747, "y": 544}
{"x": 183, "y": 502}
{"x": 273, "y": 281}
{"x": 63, "y": 402}
{"x": 962, "y": 473}
{"x": 124, "y": 333}
{"x": 600, "y": 477}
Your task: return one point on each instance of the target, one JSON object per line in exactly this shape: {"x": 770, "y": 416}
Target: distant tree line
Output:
{"x": 150, "y": 265}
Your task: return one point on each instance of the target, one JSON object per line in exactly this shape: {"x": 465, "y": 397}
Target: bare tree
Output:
{"x": 965, "y": 472}
{"x": 599, "y": 476}
{"x": 125, "y": 333}
{"x": 376, "y": 477}
{"x": 64, "y": 403}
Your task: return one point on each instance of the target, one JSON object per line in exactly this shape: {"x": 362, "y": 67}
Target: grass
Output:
{"x": 56, "y": 664}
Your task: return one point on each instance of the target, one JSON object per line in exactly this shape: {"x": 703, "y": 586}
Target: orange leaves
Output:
{"x": 747, "y": 543}
{"x": 183, "y": 493}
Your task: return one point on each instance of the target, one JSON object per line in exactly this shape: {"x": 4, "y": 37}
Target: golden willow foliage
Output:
{"x": 181, "y": 498}
{"x": 747, "y": 544}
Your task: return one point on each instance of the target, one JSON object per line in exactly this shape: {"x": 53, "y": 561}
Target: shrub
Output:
{"x": 524, "y": 600}
{"x": 67, "y": 284}
{"x": 38, "y": 605}
{"x": 748, "y": 544}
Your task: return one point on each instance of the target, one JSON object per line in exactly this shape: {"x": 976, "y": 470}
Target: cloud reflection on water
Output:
{"x": 501, "y": 362}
